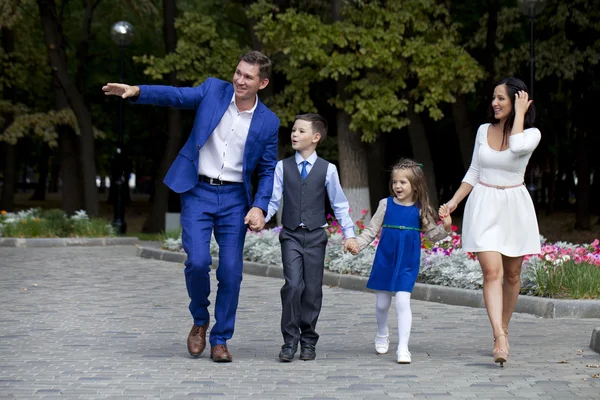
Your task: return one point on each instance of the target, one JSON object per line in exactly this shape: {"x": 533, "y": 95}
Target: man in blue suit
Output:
{"x": 234, "y": 134}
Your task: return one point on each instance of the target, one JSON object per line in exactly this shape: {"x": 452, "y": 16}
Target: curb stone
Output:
{"x": 540, "y": 306}
{"x": 67, "y": 242}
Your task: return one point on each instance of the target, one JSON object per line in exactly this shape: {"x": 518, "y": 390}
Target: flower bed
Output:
{"x": 35, "y": 223}
{"x": 561, "y": 270}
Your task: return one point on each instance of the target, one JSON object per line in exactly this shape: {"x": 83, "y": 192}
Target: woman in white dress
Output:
{"x": 499, "y": 222}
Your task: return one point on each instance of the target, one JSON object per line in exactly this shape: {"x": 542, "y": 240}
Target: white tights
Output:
{"x": 382, "y": 306}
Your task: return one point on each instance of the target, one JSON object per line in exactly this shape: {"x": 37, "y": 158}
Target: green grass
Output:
{"x": 570, "y": 280}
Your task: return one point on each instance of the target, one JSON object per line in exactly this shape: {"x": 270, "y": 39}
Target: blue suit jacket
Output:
{"x": 210, "y": 100}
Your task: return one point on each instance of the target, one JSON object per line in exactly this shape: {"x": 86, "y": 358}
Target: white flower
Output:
{"x": 80, "y": 215}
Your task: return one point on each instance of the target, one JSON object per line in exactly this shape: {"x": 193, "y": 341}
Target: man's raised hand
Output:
{"x": 121, "y": 89}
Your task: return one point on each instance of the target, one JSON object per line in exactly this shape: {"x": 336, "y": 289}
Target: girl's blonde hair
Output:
{"x": 419, "y": 186}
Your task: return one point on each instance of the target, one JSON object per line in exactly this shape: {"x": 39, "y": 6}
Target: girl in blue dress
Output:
{"x": 401, "y": 217}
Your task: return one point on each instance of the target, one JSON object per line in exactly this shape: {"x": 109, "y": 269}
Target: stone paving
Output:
{"x": 102, "y": 323}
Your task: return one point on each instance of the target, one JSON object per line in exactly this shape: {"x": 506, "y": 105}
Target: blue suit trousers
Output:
{"x": 204, "y": 209}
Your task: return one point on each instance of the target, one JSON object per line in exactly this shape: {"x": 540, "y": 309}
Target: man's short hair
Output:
{"x": 257, "y": 58}
{"x": 318, "y": 123}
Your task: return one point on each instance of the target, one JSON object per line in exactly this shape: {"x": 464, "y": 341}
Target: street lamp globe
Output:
{"x": 122, "y": 33}
{"x": 531, "y": 8}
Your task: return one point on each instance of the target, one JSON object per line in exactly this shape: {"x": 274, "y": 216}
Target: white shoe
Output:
{"x": 403, "y": 356}
{"x": 382, "y": 344}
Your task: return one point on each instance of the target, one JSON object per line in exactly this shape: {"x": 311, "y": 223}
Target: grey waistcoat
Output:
{"x": 304, "y": 200}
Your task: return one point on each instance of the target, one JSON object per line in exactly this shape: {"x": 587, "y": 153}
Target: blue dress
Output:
{"x": 398, "y": 255}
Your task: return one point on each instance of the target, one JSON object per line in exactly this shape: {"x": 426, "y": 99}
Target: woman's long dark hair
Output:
{"x": 513, "y": 85}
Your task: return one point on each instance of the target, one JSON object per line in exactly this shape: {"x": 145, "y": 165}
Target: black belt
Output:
{"x": 214, "y": 181}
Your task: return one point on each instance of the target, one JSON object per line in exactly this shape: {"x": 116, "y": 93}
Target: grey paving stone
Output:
{"x": 99, "y": 322}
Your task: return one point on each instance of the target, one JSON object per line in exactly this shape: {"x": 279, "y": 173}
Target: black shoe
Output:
{"x": 287, "y": 352}
{"x": 307, "y": 352}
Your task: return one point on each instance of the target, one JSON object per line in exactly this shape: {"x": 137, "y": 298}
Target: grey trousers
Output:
{"x": 303, "y": 256}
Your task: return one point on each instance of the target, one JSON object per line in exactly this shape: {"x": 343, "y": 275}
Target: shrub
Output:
{"x": 560, "y": 270}
{"x": 52, "y": 223}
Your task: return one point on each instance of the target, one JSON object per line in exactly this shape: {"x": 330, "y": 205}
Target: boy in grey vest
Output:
{"x": 304, "y": 180}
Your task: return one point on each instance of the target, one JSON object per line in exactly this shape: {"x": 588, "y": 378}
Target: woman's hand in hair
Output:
{"x": 522, "y": 102}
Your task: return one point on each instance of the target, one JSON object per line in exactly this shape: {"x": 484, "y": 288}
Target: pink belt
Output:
{"x": 501, "y": 187}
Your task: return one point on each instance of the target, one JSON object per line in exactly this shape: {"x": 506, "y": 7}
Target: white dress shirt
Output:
{"x": 222, "y": 155}
{"x": 337, "y": 199}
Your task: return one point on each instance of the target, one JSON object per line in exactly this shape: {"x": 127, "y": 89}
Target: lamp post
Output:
{"x": 531, "y": 8}
{"x": 122, "y": 34}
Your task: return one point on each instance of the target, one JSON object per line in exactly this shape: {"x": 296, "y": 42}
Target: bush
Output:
{"x": 34, "y": 223}
{"x": 560, "y": 270}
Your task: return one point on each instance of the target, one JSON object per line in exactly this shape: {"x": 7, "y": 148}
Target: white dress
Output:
{"x": 501, "y": 219}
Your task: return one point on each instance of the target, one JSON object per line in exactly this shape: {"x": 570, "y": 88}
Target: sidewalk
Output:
{"x": 103, "y": 323}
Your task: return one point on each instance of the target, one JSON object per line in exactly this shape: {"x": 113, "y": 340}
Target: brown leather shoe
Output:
{"x": 219, "y": 353}
{"x": 196, "y": 342}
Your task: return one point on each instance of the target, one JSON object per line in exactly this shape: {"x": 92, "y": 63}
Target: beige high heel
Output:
{"x": 500, "y": 356}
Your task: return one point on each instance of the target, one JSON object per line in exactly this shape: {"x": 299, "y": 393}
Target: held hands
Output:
{"x": 445, "y": 217}
{"x": 522, "y": 102}
{"x": 447, "y": 209}
{"x": 351, "y": 245}
{"x": 121, "y": 89}
{"x": 255, "y": 219}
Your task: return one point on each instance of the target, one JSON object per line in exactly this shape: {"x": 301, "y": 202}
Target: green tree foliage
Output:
{"x": 202, "y": 51}
{"x": 394, "y": 55}
{"x": 43, "y": 125}
{"x": 25, "y": 70}
{"x": 567, "y": 41}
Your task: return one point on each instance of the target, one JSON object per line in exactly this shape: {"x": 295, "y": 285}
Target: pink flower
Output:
{"x": 364, "y": 212}
{"x": 548, "y": 249}
{"x": 595, "y": 243}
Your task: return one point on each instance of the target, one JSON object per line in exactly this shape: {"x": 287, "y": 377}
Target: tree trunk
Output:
{"x": 54, "y": 175}
{"x": 464, "y": 129}
{"x": 354, "y": 174}
{"x": 582, "y": 113}
{"x": 72, "y": 193}
{"x": 70, "y": 171}
{"x": 10, "y": 151}
{"x": 582, "y": 220}
{"x": 421, "y": 152}
{"x": 58, "y": 63}
{"x": 43, "y": 168}
{"x": 10, "y": 178}
{"x": 156, "y": 220}
{"x": 84, "y": 44}
{"x": 378, "y": 172}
